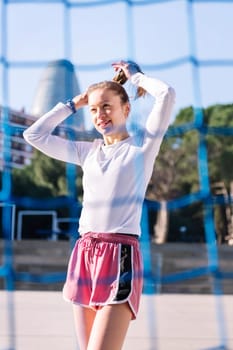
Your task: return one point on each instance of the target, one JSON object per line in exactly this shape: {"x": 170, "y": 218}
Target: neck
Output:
{"x": 110, "y": 140}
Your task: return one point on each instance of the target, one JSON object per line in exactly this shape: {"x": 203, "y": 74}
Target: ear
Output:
{"x": 127, "y": 108}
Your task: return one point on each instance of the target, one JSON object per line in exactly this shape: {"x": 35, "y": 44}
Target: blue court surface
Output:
{"x": 42, "y": 320}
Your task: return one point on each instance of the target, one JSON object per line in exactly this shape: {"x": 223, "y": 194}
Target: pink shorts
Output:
{"x": 105, "y": 268}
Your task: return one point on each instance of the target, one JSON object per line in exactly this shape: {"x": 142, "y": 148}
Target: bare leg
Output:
{"x": 83, "y": 319}
{"x": 109, "y": 328}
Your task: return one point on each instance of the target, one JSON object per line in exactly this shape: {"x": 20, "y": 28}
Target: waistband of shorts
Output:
{"x": 123, "y": 238}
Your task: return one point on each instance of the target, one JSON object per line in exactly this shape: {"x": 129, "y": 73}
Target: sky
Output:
{"x": 91, "y": 37}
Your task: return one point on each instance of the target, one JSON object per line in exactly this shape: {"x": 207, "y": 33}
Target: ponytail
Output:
{"x": 121, "y": 78}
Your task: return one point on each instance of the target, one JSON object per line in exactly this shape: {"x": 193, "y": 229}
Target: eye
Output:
{"x": 92, "y": 110}
{"x": 106, "y": 106}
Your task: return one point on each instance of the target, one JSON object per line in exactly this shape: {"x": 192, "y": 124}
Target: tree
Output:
{"x": 176, "y": 169}
{"x": 220, "y": 147}
{"x": 43, "y": 178}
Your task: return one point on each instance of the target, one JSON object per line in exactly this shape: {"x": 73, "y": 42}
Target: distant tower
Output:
{"x": 58, "y": 84}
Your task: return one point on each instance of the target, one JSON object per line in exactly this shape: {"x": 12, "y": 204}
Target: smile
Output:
{"x": 104, "y": 124}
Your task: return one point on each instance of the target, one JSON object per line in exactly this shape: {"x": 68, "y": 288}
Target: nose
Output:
{"x": 100, "y": 113}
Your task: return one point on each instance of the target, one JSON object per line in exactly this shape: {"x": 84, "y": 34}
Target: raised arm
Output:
{"x": 40, "y": 136}
{"x": 159, "y": 117}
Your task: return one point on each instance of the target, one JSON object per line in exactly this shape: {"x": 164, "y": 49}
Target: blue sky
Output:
{"x": 151, "y": 34}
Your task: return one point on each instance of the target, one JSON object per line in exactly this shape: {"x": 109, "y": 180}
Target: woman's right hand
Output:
{"x": 80, "y": 100}
{"x": 125, "y": 70}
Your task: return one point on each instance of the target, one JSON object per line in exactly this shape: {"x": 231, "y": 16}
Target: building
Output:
{"x": 14, "y": 151}
{"x": 58, "y": 83}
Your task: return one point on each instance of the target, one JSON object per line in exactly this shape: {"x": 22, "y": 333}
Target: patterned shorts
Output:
{"x": 105, "y": 268}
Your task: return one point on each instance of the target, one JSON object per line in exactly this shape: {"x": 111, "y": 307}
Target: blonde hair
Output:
{"x": 113, "y": 86}
{"x": 116, "y": 83}
{"x": 121, "y": 78}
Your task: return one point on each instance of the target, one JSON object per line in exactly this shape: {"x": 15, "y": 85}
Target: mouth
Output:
{"x": 104, "y": 124}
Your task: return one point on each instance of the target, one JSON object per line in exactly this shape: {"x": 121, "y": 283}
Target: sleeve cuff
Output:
{"x": 135, "y": 78}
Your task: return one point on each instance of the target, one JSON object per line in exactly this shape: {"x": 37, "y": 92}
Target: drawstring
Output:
{"x": 91, "y": 242}
{"x": 91, "y": 245}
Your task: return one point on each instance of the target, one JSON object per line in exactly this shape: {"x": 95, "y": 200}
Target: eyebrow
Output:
{"x": 102, "y": 102}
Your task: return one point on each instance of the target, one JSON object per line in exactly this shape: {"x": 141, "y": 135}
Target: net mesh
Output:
{"x": 194, "y": 58}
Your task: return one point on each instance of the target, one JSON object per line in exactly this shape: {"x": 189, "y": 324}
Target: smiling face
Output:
{"x": 109, "y": 114}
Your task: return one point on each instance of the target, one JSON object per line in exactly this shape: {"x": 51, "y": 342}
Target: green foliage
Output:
{"x": 50, "y": 173}
{"x": 44, "y": 177}
{"x": 176, "y": 169}
{"x": 175, "y": 173}
{"x": 220, "y": 148}
{"x": 185, "y": 115}
{"x": 23, "y": 184}
{"x": 219, "y": 115}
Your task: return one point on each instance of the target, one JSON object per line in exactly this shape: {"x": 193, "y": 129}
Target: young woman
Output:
{"x": 104, "y": 278}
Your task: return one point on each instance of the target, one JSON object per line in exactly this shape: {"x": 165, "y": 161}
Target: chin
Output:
{"x": 106, "y": 131}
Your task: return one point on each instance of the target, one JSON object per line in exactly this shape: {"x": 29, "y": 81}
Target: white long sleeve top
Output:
{"x": 115, "y": 177}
